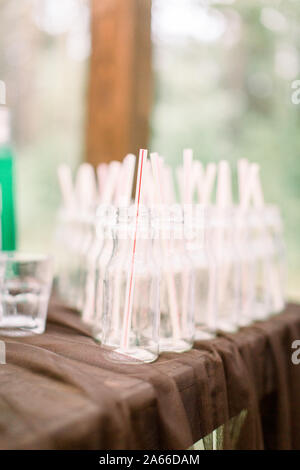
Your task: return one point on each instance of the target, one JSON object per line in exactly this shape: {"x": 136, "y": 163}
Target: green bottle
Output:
{"x": 7, "y": 205}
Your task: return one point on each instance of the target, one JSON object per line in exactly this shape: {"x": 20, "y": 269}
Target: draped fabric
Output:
{"x": 61, "y": 390}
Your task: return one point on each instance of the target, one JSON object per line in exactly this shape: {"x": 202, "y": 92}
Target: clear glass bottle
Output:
{"x": 261, "y": 248}
{"x": 103, "y": 216}
{"x": 199, "y": 249}
{"x": 64, "y": 248}
{"x": 177, "y": 322}
{"x": 247, "y": 266}
{"x": 277, "y": 266}
{"x": 107, "y": 227}
{"x": 228, "y": 267}
{"x": 130, "y": 316}
{"x": 86, "y": 235}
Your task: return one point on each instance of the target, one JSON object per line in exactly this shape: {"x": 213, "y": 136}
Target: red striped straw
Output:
{"x": 131, "y": 277}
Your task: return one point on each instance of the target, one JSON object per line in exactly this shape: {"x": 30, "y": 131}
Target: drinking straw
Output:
{"x": 228, "y": 184}
{"x": 124, "y": 181}
{"x": 149, "y": 184}
{"x": 161, "y": 172}
{"x": 111, "y": 181}
{"x": 198, "y": 175}
{"x": 123, "y": 200}
{"x": 179, "y": 178}
{"x": 258, "y": 196}
{"x": 224, "y": 194}
{"x": 187, "y": 176}
{"x": 131, "y": 276}
{"x": 120, "y": 184}
{"x": 130, "y": 165}
{"x": 242, "y": 168}
{"x": 101, "y": 171}
{"x": 169, "y": 192}
{"x": 85, "y": 186}
{"x": 146, "y": 190}
{"x": 66, "y": 186}
{"x": 208, "y": 183}
{"x": 171, "y": 288}
{"x": 154, "y": 159}
{"x": 248, "y": 180}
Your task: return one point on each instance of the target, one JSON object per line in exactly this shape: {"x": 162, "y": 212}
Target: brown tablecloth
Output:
{"x": 61, "y": 391}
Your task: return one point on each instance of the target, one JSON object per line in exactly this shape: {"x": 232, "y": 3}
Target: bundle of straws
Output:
{"x": 225, "y": 269}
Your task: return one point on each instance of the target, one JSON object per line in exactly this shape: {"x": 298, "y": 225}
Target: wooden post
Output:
{"x": 119, "y": 95}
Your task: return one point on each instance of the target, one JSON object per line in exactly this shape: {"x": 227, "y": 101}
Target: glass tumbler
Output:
{"x": 130, "y": 313}
{"x": 25, "y": 291}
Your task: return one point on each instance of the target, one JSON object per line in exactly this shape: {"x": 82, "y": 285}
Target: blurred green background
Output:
{"x": 223, "y": 71}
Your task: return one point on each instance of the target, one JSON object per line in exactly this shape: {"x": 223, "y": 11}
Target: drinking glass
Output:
{"x": 25, "y": 290}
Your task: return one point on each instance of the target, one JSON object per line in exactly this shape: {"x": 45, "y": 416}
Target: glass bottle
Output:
{"x": 177, "y": 323}
{"x": 199, "y": 249}
{"x": 107, "y": 227}
{"x": 277, "y": 266}
{"x": 261, "y": 248}
{"x": 228, "y": 267}
{"x": 85, "y": 239}
{"x": 247, "y": 266}
{"x": 130, "y": 316}
{"x": 92, "y": 255}
{"x": 63, "y": 247}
